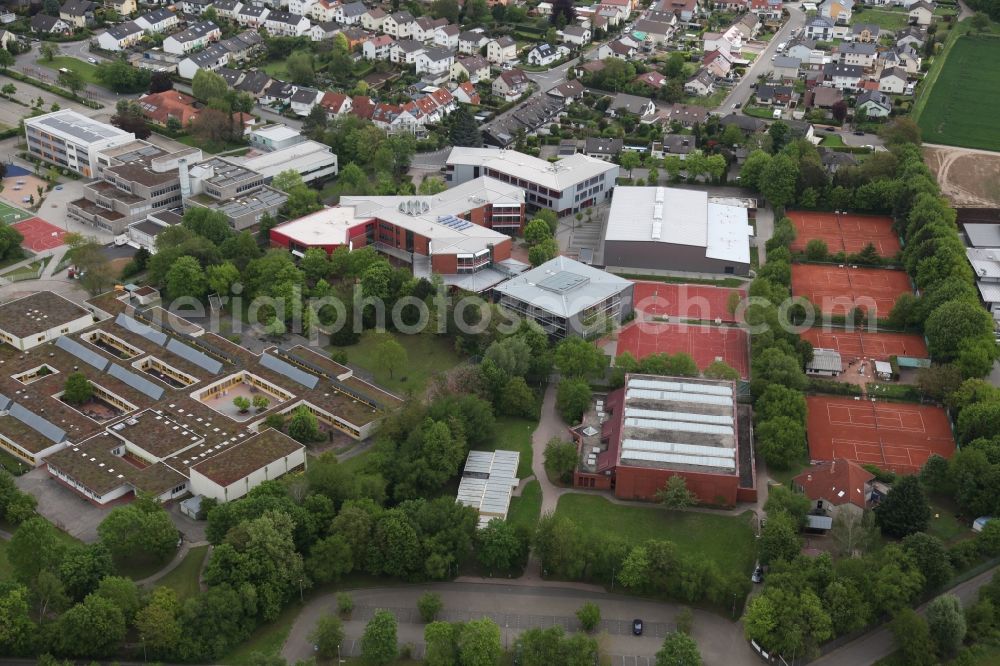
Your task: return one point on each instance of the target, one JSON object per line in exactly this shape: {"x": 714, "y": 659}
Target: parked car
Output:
{"x": 637, "y": 627}
{"x": 858, "y": 133}
{"x": 92, "y": 61}
{"x": 758, "y": 574}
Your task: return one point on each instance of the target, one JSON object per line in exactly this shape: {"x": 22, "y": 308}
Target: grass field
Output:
{"x": 9, "y": 214}
{"x": 184, "y": 579}
{"x": 426, "y": 355}
{"x": 524, "y": 510}
{"x": 276, "y": 69}
{"x": 726, "y": 540}
{"x": 26, "y": 272}
{"x": 884, "y": 18}
{"x": 267, "y": 639}
{"x": 515, "y": 435}
{"x": 960, "y": 105}
{"x": 87, "y": 71}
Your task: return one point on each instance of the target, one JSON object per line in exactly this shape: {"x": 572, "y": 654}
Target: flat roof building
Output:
{"x": 675, "y": 230}
{"x": 313, "y": 160}
{"x": 566, "y": 297}
{"x": 71, "y": 140}
{"x": 37, "y": 318}
{"x": 488, "y": 482}
{"x": 566, "y": 186}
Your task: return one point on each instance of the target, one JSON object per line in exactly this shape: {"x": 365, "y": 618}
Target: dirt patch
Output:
{"x": 967, "y": 177}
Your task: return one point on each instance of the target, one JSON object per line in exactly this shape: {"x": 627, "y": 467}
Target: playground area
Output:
{"x": 839, "y": 289}
{"x": 844, "y": 232}
{"x": 685, "y": 301}
{"x": 704, "y": 344}
{"x": 10, "y": 214}
{"x": 894, "y": 436}
{"x": 39, "y": 235}
{"x": 861, "y": 344}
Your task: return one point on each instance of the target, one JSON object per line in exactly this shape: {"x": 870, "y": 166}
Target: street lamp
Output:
{"x": 301, "y": 599}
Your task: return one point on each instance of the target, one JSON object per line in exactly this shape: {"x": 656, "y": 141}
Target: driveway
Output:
{"x": 63, "y": 507}
{"x": 516, "y": 608}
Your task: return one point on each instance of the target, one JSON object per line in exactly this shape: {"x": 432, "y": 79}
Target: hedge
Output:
{"x": 55, "y": 90}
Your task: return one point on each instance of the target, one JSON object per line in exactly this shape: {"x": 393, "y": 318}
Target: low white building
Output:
{"x": 488, "y": 483}
{"x": 32, "y": 320}
{"x": 197, "y": 36}
{"x": 312, "y": 160}
{"x": 825, "y": 363}
{"x": 120, "y": 37}
{"x": 545, "y": 54}
{"x": 244, "y": 466}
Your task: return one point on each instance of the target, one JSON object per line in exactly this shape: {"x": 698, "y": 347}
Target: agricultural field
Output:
{"x": 960, "y": 107}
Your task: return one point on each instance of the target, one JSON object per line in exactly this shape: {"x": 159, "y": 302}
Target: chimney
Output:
{"x": 185, "y": 178}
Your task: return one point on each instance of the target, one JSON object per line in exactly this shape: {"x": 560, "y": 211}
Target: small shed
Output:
{"x": 819, "y": 523}
{"x": 825, "y": 363}
{"x": 488, "y": 482}
{"x": 979, "y": 523}
{"x": 191, "y": 507}
{"x": 883, "y": 370}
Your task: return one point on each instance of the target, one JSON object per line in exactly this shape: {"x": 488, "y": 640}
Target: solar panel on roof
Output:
{"x": 4, "y": 402}
{"x": 88, "y": 356}
{"x": 151, "y": 334}
{"x": 140, "y": 384}
{"x": 192, "y": 355}
{"x": 677, "y": 447}
{"x": 701, "y": 461}
{"x": 679, "y": 426}
{"x": 45, "y": 428}
{"x": 634, "y": 412}
{"x": 670, "y": 396}
{"x": 288, "y": 370}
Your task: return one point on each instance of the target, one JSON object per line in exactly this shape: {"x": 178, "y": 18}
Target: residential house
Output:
{"x": 622, "y": 48}
{"x": 251, "y": 17}
{"x": 653, "y": 79}
{"x": 278, "y": 93}
{"x": 688, "y": 115}
{"x": 733, "y": 6}
{"x": 624, "y": 6}
{"x": 501, "y": 50}
{"x": 611, "y": 16}
{"x": 767, "y": 10}
{"x": 470, "y": 41}
{"x": 643, "y": 107}
{"x": 7, "y": 38}
{"x": 78, "y": 13}
{"x": 718, "y": 63}
{"x": 921, "y": 13}
{"x": 657, "y": 32}
{"x": 473, "y": 68}
{"x": 822, "y": 97}
{"x": 285, "y": 24}
{"x": 575, "y": 35}
{"x": 405, "y": 51}
{"x": 510, "y": 85}
{"x": 772, "y": 95}
{"x": 424, "y": 28}
{"x": 603, "y": 148}
{"x": 819, "y": 28}
{"x": 399, "y": 25}
{"x": 211, "y": 58}
{"x": 355, "y": 36}
{"x": 834, "y": 160}
{"x": 253, "y": 82}
{"x": 244, "y": 46}
{"x": 746, "y": 124}
{"x": 893, "y": 81}
{"x": 567, "y": 91}
{"x": 843, "y": 77}
{"x": 300, "y": 7}
{"x": 198, "y": 36}
{"x": 838, "y": 11}
{"x": 686, "y": 10}
{"x": 466, "y": 93}
{"x": 118, "y": 37}
{"x": 158, "y": 21}
{"x": 194, "y": 7}
{"x": 837, "y": 486}
{"x": 434, "y": 64}
{"x": 803, "y": 49}
{"x": 231, "y": 76}
{"x": 856, "y": 53}
{"x": 162, "y": 106}
{"x": 730, "y": 41}
{"x": 677, "y": 144}
{"x": 394, "y": 119}
{"x": 227, "y": 9}
{"x": 324, "y": 11}
{"x": 874, "y": 104}
{"x": 913, "y": 36}
{"x": 865, "y": 32}
{"x": 349, "y": 14}
{"x": 122, "y": 7}
{"x": 44, "y": 24}
{"x": 373, "y": 19}
{"x": 543, "y": 55}
{"x": 784, "y": 68}
{"x": 335, "y": 103}
{"x": 902, "y": 56}
{"x": 321, "y": 31}
{"x": 447, "y": 36}
{"x": 531, "y": 115}
{"x": 304, "y": 99}
{"x": 701, "y": 84}
{"x": 749, "y": 25}
{"x": 378, "y": 47}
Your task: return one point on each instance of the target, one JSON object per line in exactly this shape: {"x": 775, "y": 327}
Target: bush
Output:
{"x": 345, "y": 604}
{"x": 589, "y": 616}
{"x": 429, "y": 605}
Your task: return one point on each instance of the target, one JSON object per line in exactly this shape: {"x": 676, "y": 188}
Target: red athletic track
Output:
{"x": 855, "y": 344}
{"x": 703, "y": 343}
{"x": 837, "y": 290}
{"x": 687, "y": 301}
{"x": 894, "y": 436}
{"x": 847, "y": 233}
{"x": 39, "y": 235}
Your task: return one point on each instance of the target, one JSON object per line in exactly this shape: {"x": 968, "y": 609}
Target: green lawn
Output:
{"x": 184, "y": 579}
{"x": 524, "y": 510}
{"x": 711, "y": 101}
{"x": 87, "y": 71}
{"x": 960, "y": 101}
{"x": 886, "y": 19}
{"x": 28, "y": 272}
{"x": 944, "y": 524}
{"x": 832, "y": 141}
{"x": 514, "y": 434}
{"x": 139, "y": 568}
{"x": 12, "y": 464}
{"x": 727, "y": 541}
{"x": 426, "y": 355}
{"x": 267, "y": 639}
{"x": 209, "y": 146}
{"x": 276, "y": 69}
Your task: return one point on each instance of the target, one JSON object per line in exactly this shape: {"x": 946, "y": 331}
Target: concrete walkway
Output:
{"x": 179, "y": 556}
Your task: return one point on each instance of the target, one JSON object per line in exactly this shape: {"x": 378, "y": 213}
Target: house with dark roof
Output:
{"x": 120, "y": 37}
{"x": 701, "y": 84}
{"x": 874, "y": 104}
{"x": 603, "y": 148}
{"x": 78, "y": 13}
{"x": 157, "y": 21}
{"x": 643, "y": 107}
{"x": 545, "y": 54}
{"x": 510, "y": 85}
{"x": 45, "y": 24}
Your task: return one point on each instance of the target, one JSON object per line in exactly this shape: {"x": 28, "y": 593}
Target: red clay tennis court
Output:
{"x": 39, "y": 235}
{"x": 703, "y": 343}
{"x": 847, "y": 233}
{"x": 836, "y": 290}
{"x": 894, "y": 436}
{"x": 687, "y": 301}
{"x": 857, "y": 344}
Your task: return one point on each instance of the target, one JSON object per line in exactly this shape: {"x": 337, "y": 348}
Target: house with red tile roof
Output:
{"x": 466, "y": 93}
{"x": 335, "y": 103}
{"x": 836, "y": 485}
{"x": 160, "y": 107}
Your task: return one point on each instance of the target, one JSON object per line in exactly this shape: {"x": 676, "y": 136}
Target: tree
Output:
{"x": 675, "y": 494}
{"x": 938, "y": 381}
{"x": 93, "y": 628}
{"x": 931, "y": 557}
{"x": 817, "y": 250}
{"x": 902, "y": 130}
{"x": 678, "y": 649}
{"x": 300, "y": 68}
{"x": 431, "y": 185}
{"x": 952, "y": 323}
{"x": 518, "y": 399}
{"x": 241, "y": 403}
{"x": 719, "y": 369}
{"x": 121, "y": 77}
{"x": 784, "y": 499}
{"x": 212, "y": 125}
{"x": 575, "y": 357}
{"x": 946, "y": 624}
{"x": 544, "y": 251}
{"x": 847, "y": 607}
{"x": 141, "y": 529}
{"x": 389, "y": 355}
{"x": 512, "y": 356}
{"x": 853, "y": 534}
{"x": 463, "y": 129}
{"x": 778, "y": 180}
{"x": 327, "y": 636}
{"x": 208, "y": 223}
{"x": 904, "y": 510}
{"x": 912, "y": 638}
{"x": 429, "y": 605}
{"x": 303, "y": 426}
{"x": 77, "y": 389}
{"x": 440, "y": 640}
{"x": 629, "y": 159}
{"x": 186, "y": 279}
{"x": 781, "y": 440}
{"x": 48, "y": 50}
{"x": 207, "y": 85}
{"x": 778, "y": 131}
{"x": 499, "y": 547}
{"x": 16, "y": 628}
{"x": 71, "y": 80}
{"x": 560, "y": 458}
{"x": 33, "y": 548}
{"x": 160, "y": 82}
{"x": 220, "y": 278}
{"x": 779, "y": 539}
{"x": 158, "y": 623}
{"x": 589, "y": 616}
{"x": 378, "y": 643}
{"x": 536, "y": 231}
{"x": 839, "y": 110}
{"x": 572, "y": 399}
{"x": 479, "y": 643}
{"x": 123, "y": 593}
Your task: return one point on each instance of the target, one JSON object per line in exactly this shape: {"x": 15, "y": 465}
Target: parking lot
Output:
{"x": 63, "y": 507}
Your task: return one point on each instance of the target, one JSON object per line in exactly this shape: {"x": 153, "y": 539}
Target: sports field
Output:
{"x": 39, "y": 235}
{"x": 9, "y": 214}
{"x": 836, "y": 289}
{"x": 855, "y": 344}
{"x": 962, "y": 104}
{"x": 844, "y": 232}
{"x": 705, "y": 344}
{"x": 894, "y": 436}
{"x": 687, "y": 301}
